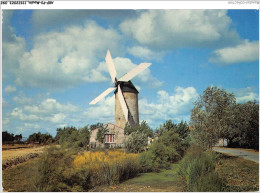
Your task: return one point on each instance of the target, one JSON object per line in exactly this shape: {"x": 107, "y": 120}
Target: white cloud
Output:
{"x": 166, "y": 29}
{"x": 64, "y": 59}
{"x": 244, "y": 52}
{"x": 145, "y": 53}
{"x": 169, "y": 106}
{"x": 18, "y": 113}
{"x": 124, "y": 65}
{"x": 103, "y": 111}
{"x": 10, "y": 89}
{"x": 244, "y": 95}
{"x": 22, "y": 99}
{"x": 49, "y": 110}
{"x": 50, "y": 106}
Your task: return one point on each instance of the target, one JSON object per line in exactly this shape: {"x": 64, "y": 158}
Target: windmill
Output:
{"x": 126, "y": 95}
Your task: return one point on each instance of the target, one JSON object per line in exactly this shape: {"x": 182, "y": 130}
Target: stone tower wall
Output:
{"x": 133, "y": 114}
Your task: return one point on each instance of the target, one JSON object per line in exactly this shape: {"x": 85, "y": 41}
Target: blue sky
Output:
{"x": 53, "y": 63}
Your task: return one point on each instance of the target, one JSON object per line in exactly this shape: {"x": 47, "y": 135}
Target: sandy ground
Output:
{"x": 245, "y": 153}
{"x": 13, "y": 153}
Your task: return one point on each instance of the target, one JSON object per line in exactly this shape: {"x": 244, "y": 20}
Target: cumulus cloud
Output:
{"x": 10, "y": 89}
{"x": 145, "y": 53}
{"x": 13, "y": 47}
{"x": 164, "y": 29}
{"x": 175, "y": 106}
{"x": 64, "y": 59}
{"x": 46, "y": 18}
{"x": 124, "y": 65}
{"x": 48, "y": 110}
{"x": 20, "y": 99}
{"x": 244, "y": 95}
{"x": 103, "y": 111}
{"x": 244, "y": 52}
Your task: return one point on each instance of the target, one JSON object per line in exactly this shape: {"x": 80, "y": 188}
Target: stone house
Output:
{"x": 113, "y": 138}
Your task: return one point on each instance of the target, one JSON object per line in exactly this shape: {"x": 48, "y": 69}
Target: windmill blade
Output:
{"x": 105, "y": 93}
{"x": 122, "y": 103}
{"x": 111, "y": 66}
{"x": 134, "y": 72}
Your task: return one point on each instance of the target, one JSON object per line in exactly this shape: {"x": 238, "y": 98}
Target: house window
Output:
{"x": 109, "y": 138}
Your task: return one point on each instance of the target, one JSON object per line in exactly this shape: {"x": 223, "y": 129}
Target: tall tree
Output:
{"x": 209, "y": 116}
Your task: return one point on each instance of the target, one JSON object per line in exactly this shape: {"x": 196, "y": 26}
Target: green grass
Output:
{"x": 164, "y": 181}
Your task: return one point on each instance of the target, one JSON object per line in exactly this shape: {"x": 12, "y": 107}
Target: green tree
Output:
{"x": 209, "y": 117}
{"x": 101, "y": 134}
{"x": 244, "y": 126}
{"x": 84, "y": 136}
{"x": 166, "y": 127}
{"x": 142, "y": 128}
{"x": 94, "y": 126}
{"x": 136, "y": 142}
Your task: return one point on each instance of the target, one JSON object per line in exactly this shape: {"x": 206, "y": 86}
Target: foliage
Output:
{"x": 40, "y": 138}
{"x": 10, "y": 137}
{"x": 243, "y": 126}
{"x": 181, "y": 128}
{"x": 167, "y": 149}
{"x": 101, "y": 134}
{"x": 94, "y": 126}
{"x": 59, "y": 176}
{"x": 72, "y": 137}
{"x": 198, "y": 169}
{"x": 142, "y": 128}
{"x": 166, "y": 127}
{"x": 7, "y": 136}
{"x": 209, "y": 117}
{"x": 108, "y": 167}
{"x": 136, "y": 142}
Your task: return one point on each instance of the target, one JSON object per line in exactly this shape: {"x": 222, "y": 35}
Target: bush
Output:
{"x": 136, "y": 142}
{"x": 109, "y": 167}
{"x": 198, "y": 169}
{"x": 167, "y": 149}
{"x": 56, "y": 173}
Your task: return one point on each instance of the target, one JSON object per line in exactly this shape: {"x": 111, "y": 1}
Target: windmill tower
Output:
{"x": 126, "y": 95}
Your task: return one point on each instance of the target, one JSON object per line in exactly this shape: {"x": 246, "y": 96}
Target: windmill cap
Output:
{"x": 127, "y": 87}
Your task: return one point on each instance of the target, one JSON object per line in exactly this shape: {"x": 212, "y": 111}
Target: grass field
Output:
{"x": 241, "y": 175}
{"x": 13, "y": 155}
{"x": 164, "y": 181}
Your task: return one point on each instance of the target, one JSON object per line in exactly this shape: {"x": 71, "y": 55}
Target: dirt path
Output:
{"x": 246, "y": 154}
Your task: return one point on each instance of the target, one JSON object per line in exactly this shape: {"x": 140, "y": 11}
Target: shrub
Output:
{"x": 109, "y": 167}
{"x": 167, "y": 149}
{"x": 136, "y": 142}
{"x": 198, "y": 169}
{"x": 56, "y": 173}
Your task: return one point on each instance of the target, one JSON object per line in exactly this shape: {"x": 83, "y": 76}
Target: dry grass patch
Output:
{"x": 241, "y": 174}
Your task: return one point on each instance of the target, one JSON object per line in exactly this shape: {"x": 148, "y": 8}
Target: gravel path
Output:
{"x": 253, "y": 156}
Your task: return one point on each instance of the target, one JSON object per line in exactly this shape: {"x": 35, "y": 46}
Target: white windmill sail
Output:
{"x": 134, "y": 72}
{"x": 111, "y": 66}
{"x": 105, "y": 93}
